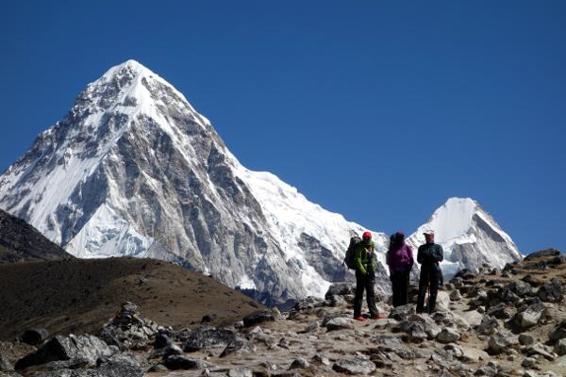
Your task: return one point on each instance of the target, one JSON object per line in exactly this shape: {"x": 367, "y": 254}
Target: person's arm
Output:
{"x": 439, "y": 253}
{"x": 410, "y": 254}
{"x": 358, "y": 259}
{"x": 420, "y": 255}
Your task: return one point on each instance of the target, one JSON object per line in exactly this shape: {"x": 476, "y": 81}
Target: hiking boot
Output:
{"x": 360, "y": 318}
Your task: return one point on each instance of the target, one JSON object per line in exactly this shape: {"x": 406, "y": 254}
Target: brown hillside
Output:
{"x": 78, "y": 296}
{"x": 20, "y": 242}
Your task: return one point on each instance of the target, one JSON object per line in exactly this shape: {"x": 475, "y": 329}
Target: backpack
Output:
{"x": 349, "y": 258}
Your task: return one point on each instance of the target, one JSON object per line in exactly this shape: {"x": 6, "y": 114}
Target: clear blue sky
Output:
{"x": 377, "y": 110}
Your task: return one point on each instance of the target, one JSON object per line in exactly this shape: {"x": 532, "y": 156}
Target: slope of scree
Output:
{"x": 20, "y": 242}
{"x": 78, "y": 296}
{"x": 505, "y": 323}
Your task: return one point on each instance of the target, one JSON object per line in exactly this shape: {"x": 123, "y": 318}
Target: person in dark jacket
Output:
{"x": 366, "y": 263}
{"x": 429, "y": 256}
{"x": 399, "y": 258}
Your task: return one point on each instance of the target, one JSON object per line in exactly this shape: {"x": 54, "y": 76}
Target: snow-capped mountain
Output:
{"x": 469, "y": 236}
{"x": 133, "y": 169}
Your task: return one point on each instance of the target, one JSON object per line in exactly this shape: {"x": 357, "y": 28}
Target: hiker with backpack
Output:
{"x": 361, "y": 257}
{"x": 429, "y": 256}
{"x": 399, "y": 258}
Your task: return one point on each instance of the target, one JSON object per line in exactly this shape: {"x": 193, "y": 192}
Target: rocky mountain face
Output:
{"x": 495, "y": 323}
{"x": 134, "y": 170}
{"x": 20, "y": 242}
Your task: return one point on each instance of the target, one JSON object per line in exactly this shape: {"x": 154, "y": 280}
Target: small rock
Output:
{"x": 559, "y": 332}
{"x": 400, "y": 313}
{"x": 498, "y": 344}
{"x": 354, "y": 366}
{"x": 526, "y": 340}
{"x": 530, "y": 316}
{"x": 172, "y": 349}
{"x": 175, "y": 362}
{"x": 240, "y": 372}
{"x": 258, "y": 317}
{"x": 455, "y": 295}
{"x": 339, "y": 323}
{"x": 299, "y": 363}
{"x": 529, "y": 362}
{"x": 161, "y": 341}
{"x": 5, "y": 365}
{"x": 207, "y": 318}
{"x": 448, "y": 335}
{"x": 551, "y": 291}
{"x": 488, "y": 325}
{"x": 560, "y": 347}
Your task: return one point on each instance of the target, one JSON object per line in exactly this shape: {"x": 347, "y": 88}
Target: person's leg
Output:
{"x": 423, "y": 286}
{"x": 393, "y": 289}
{"x": 359, "y": 294}
{"x": 434, "y": 282}
{"x": 404, "y": 288}
{"x": 370, "y": 293}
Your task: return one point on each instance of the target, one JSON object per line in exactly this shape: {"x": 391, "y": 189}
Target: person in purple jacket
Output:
{"x": 400, "y": 262}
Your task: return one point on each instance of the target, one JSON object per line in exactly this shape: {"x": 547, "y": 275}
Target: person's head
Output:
{"x": 396, "y": 241}
{"x": 366, "y": 237}
{"x": 429, "y": 236}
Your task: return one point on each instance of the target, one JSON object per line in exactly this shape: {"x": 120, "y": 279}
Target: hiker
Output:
{"x": 399, "y": 258}
{"x": 365, "y": 263}
{"x": 429, "y": 256}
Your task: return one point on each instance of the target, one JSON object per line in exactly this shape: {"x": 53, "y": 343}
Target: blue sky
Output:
{"x": 377, "y": 110}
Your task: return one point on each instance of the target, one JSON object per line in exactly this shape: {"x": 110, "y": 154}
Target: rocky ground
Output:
{"x": 496, "y": 323}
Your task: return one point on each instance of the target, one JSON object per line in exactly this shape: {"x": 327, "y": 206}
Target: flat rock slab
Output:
{"x": 354, "y": 367}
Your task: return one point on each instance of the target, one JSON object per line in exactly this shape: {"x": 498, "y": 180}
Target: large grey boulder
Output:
{"x": 559, "y": 332}
{"x": 499, "y": 343}
{"x": 208, "y": 337}
{"x": 59, "y": 348}
{"x": 529, "y": 317}
{"x": 551, "y": 291}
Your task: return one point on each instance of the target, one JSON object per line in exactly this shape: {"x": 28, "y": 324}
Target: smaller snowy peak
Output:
{"x": 453, "y": 218}
{"x": 469, "y": 235}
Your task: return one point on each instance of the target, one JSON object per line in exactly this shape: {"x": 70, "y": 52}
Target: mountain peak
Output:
{"x": 130, "y": 66}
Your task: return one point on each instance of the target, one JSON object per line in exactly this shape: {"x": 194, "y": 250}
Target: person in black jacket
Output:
{"x": 429, "y": 256}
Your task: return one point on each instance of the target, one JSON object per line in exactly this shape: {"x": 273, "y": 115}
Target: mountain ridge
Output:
{"x": 134, "y": 170}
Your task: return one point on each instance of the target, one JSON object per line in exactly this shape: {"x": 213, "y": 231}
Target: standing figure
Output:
{"x": 365, "y": 263}
{"x": 400, "y": 261}
{"x": 429, "y": 256}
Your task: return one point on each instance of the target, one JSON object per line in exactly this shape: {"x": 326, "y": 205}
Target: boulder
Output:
{"x": 551, "y": 291}
{"x": 340, "y": 289}
{"x": 299, "y": 363}
{"x": 471, "y": 354}
{"x": 175, "y": 362}
{"x": 559, "y": 332}
{"x": 5, "y": 365}
{"x": 501, "y": 311}
{"x": 472, "y": 317}
{"x": 208, "y": 337}
{"x": 309, "y": 303}
{"x": 339, "y": 323}
{"x": 526, "y": 340}
{"x": 61, "y": 348}
{"x": 488, "y": 325}
{"x": 258, "y": 317}
{"x": 455, "y": 295}
{"x": 34, "y": 337}
{"x": 448, "y": 335}
{"x": 539, "y": 349}
{"x": 498, "y": 344}
{"x": 354, "y": 366}
{"x": 400, "y": 313}
{"x": 560, "y": 347}
{"x": 161, "y": 341}
{"x": 529, "y": 317}
{"x": 238, "y": 344}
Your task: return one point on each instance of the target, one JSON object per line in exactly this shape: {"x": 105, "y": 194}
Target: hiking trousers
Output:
{"x": 431, "y": 276}
{"x": 400, "y": 287}
{"x": 365, "y": 282}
